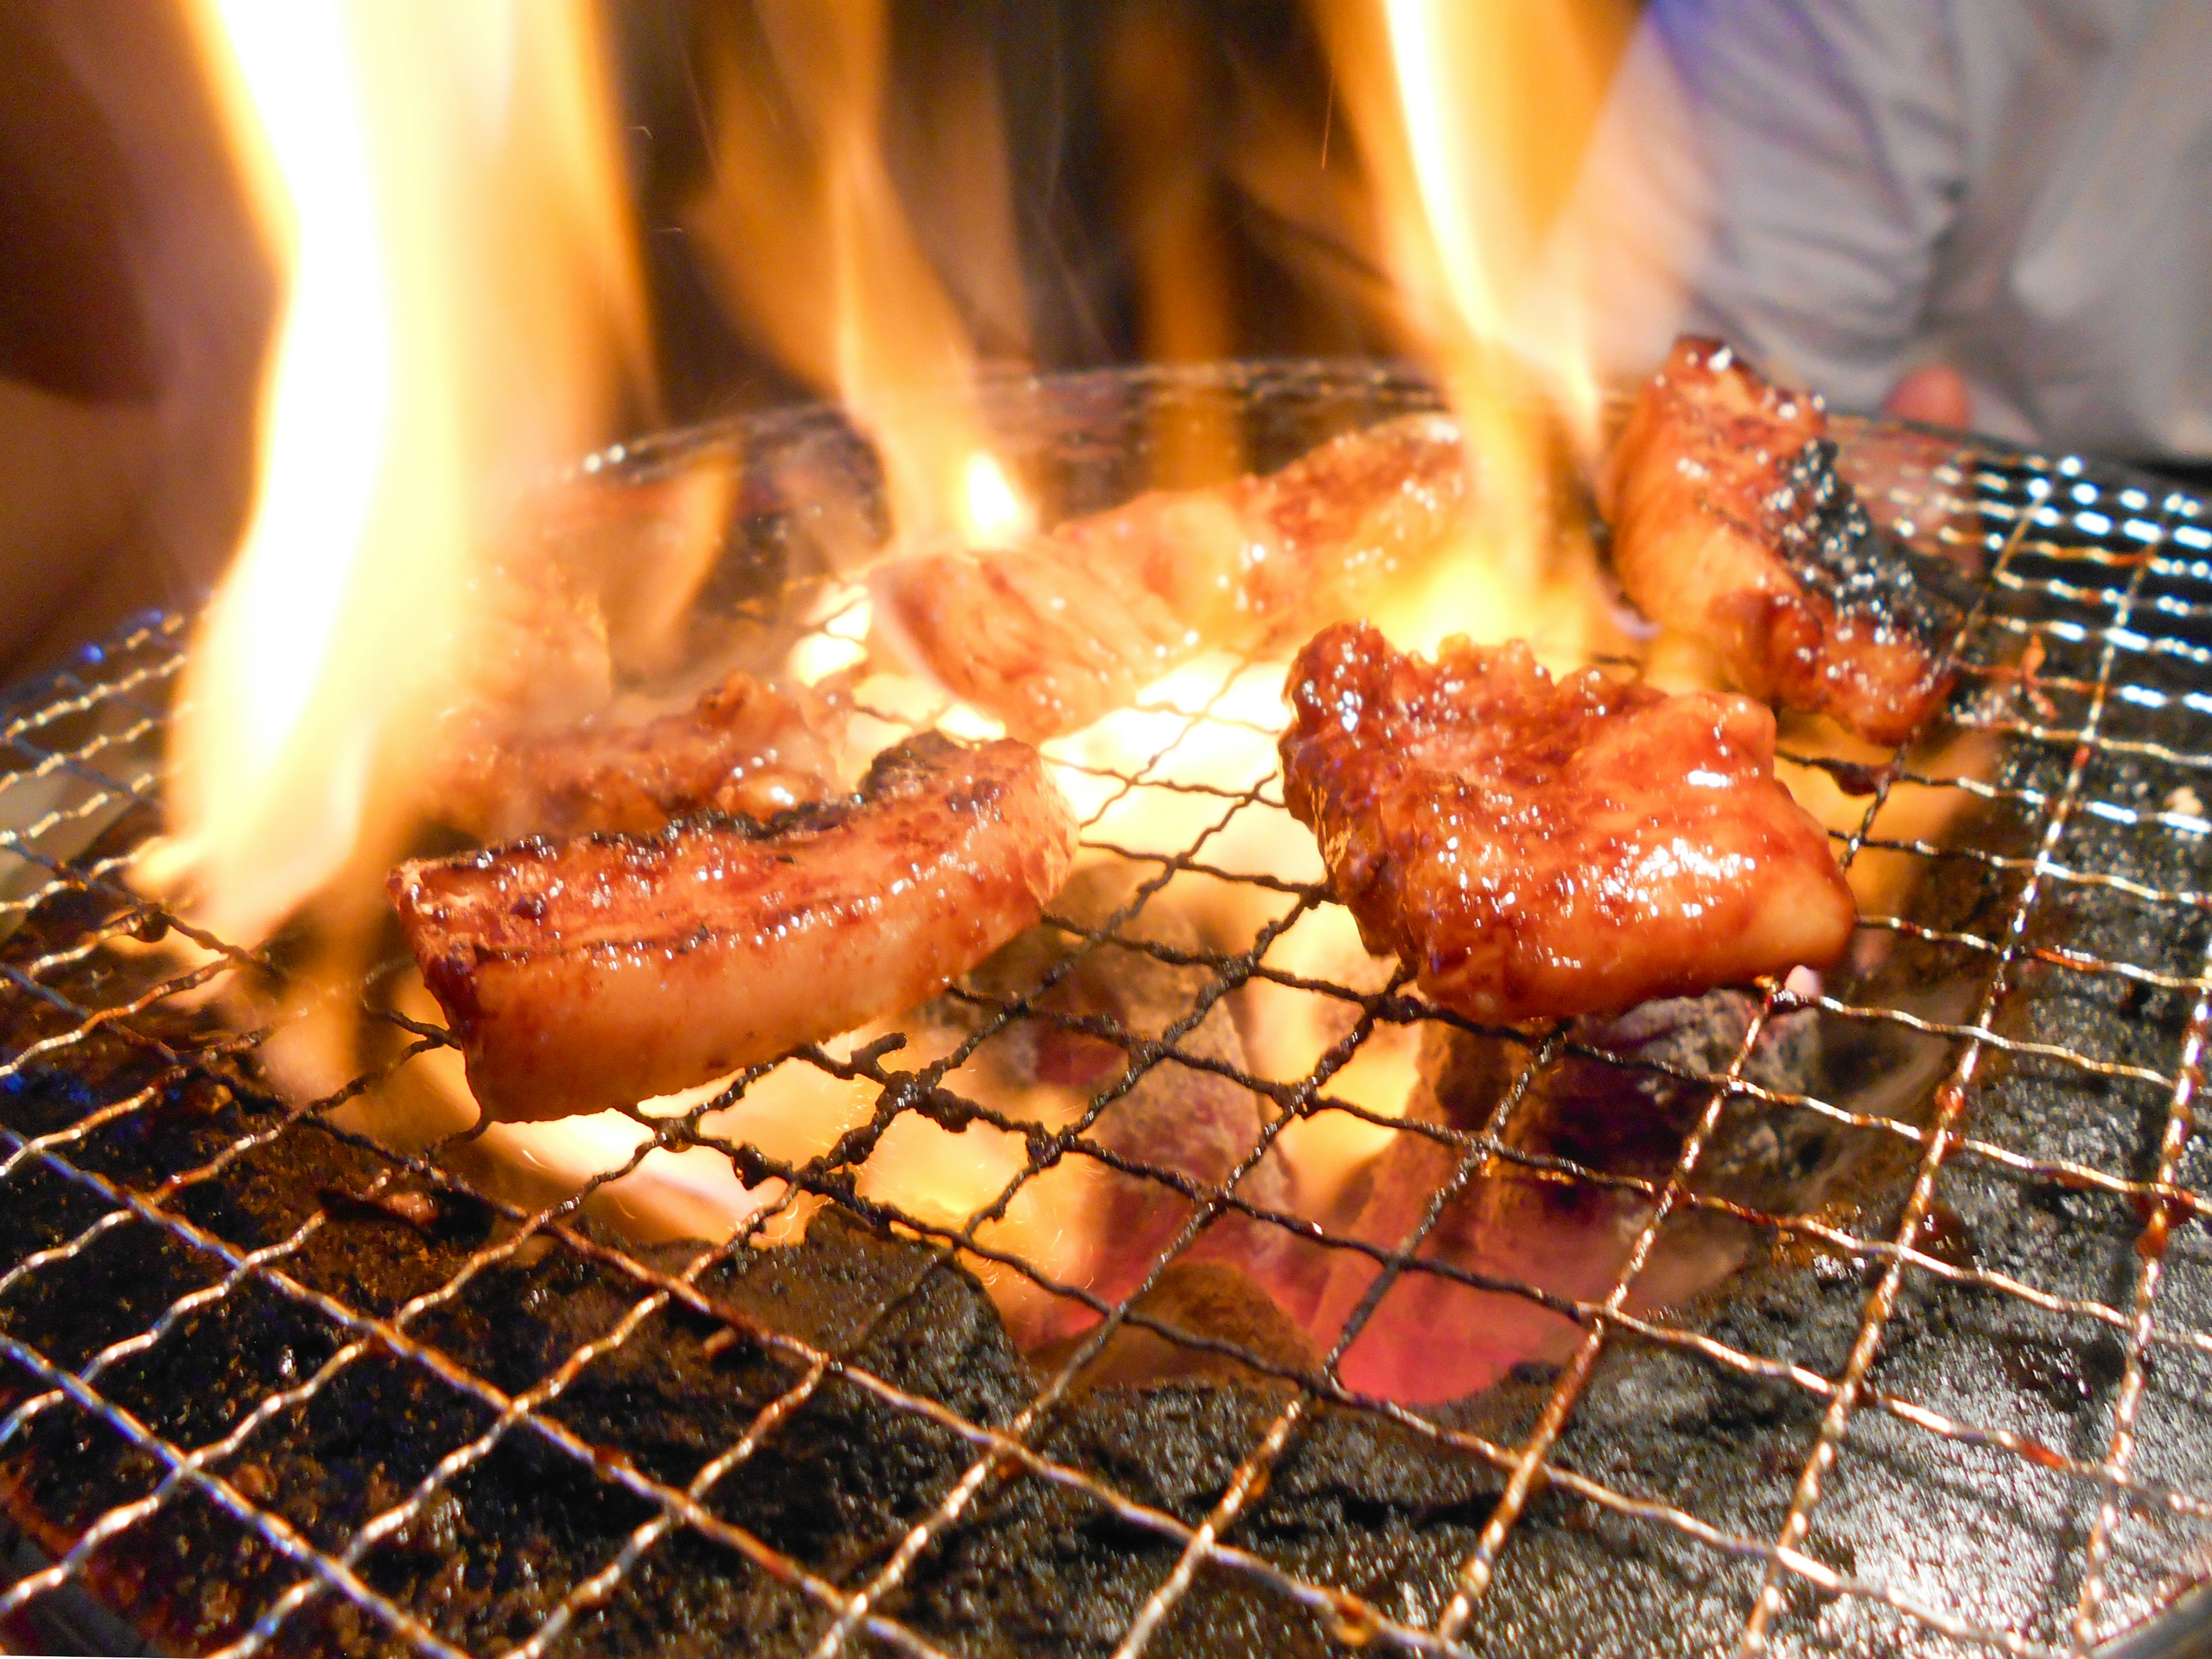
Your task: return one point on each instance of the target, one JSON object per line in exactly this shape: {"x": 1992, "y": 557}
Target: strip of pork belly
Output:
{"x": 1050, "y": 635}
{"x": 537, "y": 654}
{"x": 1536, "y": 850}
{"x": 590, "y": 972}
{"x": 744, "y": 747}
{"x": 1730, "y": 522}
{"x": 1433, "y": 1338}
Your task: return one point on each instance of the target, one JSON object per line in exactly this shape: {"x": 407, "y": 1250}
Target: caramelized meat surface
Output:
{"x": 1540, "y": 849}
{"x": 744, "y": 747}
{"x": 590, "y": 972}
{"x": 1730, "y": 522}
{"x": 1050, "y": 635}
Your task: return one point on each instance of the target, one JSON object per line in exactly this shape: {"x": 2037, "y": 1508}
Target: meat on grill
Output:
{"x": 744, "y": 747}
{"x": 537, "y": 654}
{"x": 588, "y": 973}
{"x": 1538, "y": 849}
{"x": 1049, "y": 636}
{"x": 1730, "y": 522}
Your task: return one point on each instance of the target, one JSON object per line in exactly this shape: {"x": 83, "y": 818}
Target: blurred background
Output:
{"x": 1992, "y": 214}
{"x": 1096, "y": 181}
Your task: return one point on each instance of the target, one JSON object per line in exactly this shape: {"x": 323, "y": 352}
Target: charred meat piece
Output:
{"x": 589, "y": 973}
{"x": 1730, "y": 522}
{"x": 744, "y": 747}
{"x": 1534, "y": 850}
{"x": 1050, "y": 635}
{"x": 1618, "y": 1104}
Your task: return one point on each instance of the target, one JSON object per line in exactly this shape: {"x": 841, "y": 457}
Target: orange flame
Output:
{"x": 817, "y": 257}
{"x": 463, "y": 308}
{"x": 1471, "y": 121}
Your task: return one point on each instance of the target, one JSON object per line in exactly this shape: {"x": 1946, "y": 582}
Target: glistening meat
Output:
{"x": 1730, "y": 522}
{"x": 744, "y": 747}
{"x": 590, "y": 972}
{"x": 1533, "y": 849}
{"x": 1052, "y": 634}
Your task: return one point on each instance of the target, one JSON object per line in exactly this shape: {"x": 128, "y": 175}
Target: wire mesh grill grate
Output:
{"x": 2081, "y": 665}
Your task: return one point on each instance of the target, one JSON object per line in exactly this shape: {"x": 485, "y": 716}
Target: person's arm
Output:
{"x": 135, "y": 299}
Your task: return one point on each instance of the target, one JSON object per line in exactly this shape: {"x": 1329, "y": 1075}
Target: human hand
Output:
{"x": 1934, "y": 393}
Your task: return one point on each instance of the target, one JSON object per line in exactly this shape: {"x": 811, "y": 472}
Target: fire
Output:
{"x": 461, "y": 314}
{"x": 260, "y": 661}
{"x": 993, "y": 513}
{"x": 1471, "y": 121}
{"x": 465, "y": 312}
{"x": 807, "y": 235}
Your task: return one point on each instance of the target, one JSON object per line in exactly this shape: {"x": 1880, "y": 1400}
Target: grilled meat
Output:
{"x": 1389, "y": 1508}
{"x": 585, "y": 974}
{"x": 1730, "y": 522}
{"x": 1537, "y": 849}
{"x": 536, "y": 653}
{"x": 744, "y": 747}
{"x": 1050, "y": 635}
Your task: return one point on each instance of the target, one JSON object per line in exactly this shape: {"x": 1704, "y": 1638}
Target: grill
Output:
{"x": 271, "y": 1383}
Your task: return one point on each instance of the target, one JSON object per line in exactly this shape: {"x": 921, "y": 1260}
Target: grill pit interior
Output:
{"x": 272, "y": 1383}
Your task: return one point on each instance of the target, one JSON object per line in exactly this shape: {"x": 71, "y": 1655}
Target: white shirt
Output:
{"x": 1850, "y": 188}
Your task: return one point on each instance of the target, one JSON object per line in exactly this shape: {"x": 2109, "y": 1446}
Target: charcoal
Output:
{"x": 1356, "y": 1501}
{"x": 1388, "y": 1510}
{"x": 1835, "y": 549}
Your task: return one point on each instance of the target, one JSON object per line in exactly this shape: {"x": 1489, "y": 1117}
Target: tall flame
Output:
{"x": 1472, "y": 119}
{"x": 465, "y": 310}
{"x": 462, "y": 308}
{"x": 814, "y": 249}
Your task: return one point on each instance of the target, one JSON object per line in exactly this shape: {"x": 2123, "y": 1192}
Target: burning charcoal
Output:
{"x": 1966, "y": 1482}
{"x": 1208, "y": 1299}
{"x": 1191, "y": 1124}
{"x": 1547, "y": 1227}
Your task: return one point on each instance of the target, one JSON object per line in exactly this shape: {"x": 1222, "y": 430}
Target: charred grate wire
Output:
{"x": 2103, "y": 580}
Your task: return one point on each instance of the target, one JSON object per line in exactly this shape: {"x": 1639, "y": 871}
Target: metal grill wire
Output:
{"x": 2109, "y": 583}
